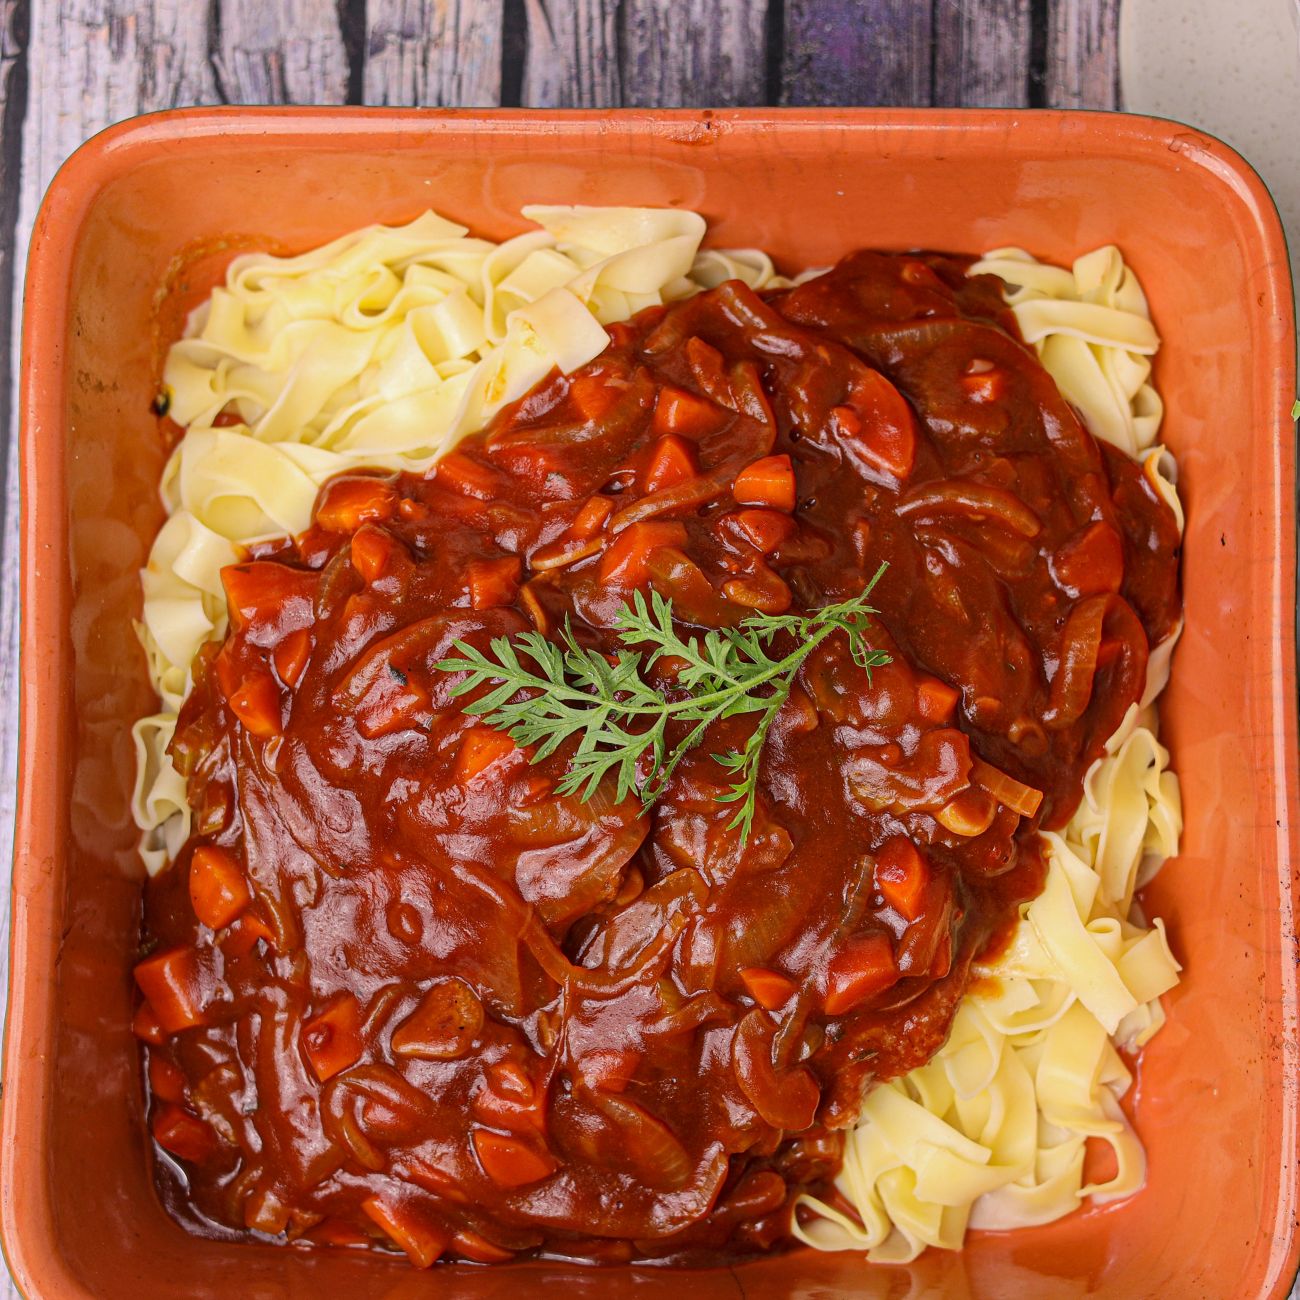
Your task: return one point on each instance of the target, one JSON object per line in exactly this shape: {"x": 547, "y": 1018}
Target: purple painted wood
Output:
{"x": 981, "y": 53}
{"x": 857, "y": 52}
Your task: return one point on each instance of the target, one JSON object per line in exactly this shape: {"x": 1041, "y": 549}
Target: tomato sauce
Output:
{"x": 400, "y": 992}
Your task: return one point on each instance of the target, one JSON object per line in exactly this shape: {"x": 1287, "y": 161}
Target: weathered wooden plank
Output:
{"x": 857, "y": 52}
{"x": 14, "y": 24}
{"x": 1082, "y": 54}
{"x": 981, "y": 53}
{"x": 281, "y": 52}
{"x": 434, "y": 52}
{"x": 572, "y": 59}
{"x": 693, "y": 53}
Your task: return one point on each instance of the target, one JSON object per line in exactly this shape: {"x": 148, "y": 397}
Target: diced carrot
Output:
{"x": 864, "y": 967}
{"x": 671, "y": 461}
{"x": 764, "y": 530}
{"x": 625, "y": 561}
{"x": 510, "y": 1162}
{"x": 351, "y": 500}
{"x": 494, "y": 582}
{"x": 590, "y": 519}
{"x": 337, "y": 1232}
{"x": 479, "y": 749}
{"x": 473, "y": 1246}
{"x": 422, "y": 1240}
{"x": 766, "y": 482}
{"x": 218, "y": 889}
{"x": 678, "y": 410}
{"x": 469, "y": 477}
{"x": 936, "y": 700}
{"x": 901, "y": 876}
{"x": 263, "y": 591}
{"x": 146, "y": 1026}
{"x": 242, "y": 937}
{"x": 183, "y": 1134}
{"x": 372, "y": 549}
{"x": 291, "y": 656}
{"x": 257, "y": 704}
{"x": 768, "y": 988}
{"x": 885, "y": 435}
{"x": 985, "y": 385}
{"x": 166, "y": 1079}
{"x": 592, "y": 397}
{"x": 331, "y": 1040}
{"x": 173, "y": 982}
{"x": 1091, "y": 562}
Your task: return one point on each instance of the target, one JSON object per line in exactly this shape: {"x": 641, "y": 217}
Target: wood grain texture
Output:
{"x": 693, "y": 53}
{"x": 857, "y": 52}
{"x": 280, "y": 52}
{"x": 436, "y": 52}
{"x": 981, "y": 53}
{"x": 1082, "y": 54}
{"x": 573, "y": 55}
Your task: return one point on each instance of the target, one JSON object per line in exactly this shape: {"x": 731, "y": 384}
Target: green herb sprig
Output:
{"x": 618, "y": 717}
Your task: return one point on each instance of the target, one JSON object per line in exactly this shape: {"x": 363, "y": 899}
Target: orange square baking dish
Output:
{"x": 140, "y": 222}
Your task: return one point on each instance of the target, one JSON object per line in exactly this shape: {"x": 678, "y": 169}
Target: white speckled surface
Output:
{"x": 1231, "y": 67}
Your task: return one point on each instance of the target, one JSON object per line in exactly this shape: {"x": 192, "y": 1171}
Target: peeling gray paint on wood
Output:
{"x": 573, "y": 53}
{"x": 281, "y": 52}
{"x": 1082, "y": 55}
{"x": 981, "y": 53}
{"x": 434, "y": 52}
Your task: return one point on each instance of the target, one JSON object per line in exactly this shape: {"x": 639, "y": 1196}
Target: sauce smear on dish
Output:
{"x": 402, "y": 992}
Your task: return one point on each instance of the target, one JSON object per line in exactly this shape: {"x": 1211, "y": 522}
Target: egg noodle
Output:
{"x": 385, "y": 347}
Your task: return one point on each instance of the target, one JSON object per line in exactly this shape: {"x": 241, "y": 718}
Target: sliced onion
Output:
{"x": 1009, "y": 792}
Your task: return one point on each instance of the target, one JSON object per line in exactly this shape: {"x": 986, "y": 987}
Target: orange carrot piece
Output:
{"x": 422, "y": 1241}
{"x": 763, "y": 590}
{"x": 591, "y": 518}
{"x": 510, "y": 1162}
{"x": 166, "y": 1080}
{"x": 901, "y": 876}
{"x": 493, "y": 583}
{"x": 183, "y": 1134}
{"x": 625, "y": 561}
{"x": 172, "y": 981}
{"x": 862, "y": 968}
{"x": 479, "y": 749}
{"x": 679, "y": 411}
{"x": 936, "y": 700}
{"x": 332, "y": 1040}
{"x": 242, "y": 937}
{"x": 1091, "y": 562}
{"x": 218, "y": 889}
{"x": 291, "y": 656}
{"x": 768, "y": 988}
{"x": 764, "y": 530}
{"x": 671, "y": 461}
{"x": 591, "y": 397}
{"x": 372, "y": 549}
{"x": 766, "y": 482}
{"x": 257, "y": 704}
{"x": 146, "y": 1026}
{"x": 260, "y": 590}
{"x": 355, "y": 499}
{"x": 469, "y": 477}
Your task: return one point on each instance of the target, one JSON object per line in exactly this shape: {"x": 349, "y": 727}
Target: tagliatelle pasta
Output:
{"x": 379, "y": 349}
{"x": 1030, "y": 1071}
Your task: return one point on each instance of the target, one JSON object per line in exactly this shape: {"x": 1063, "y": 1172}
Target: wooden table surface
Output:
{"x": 69, "y": 69}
